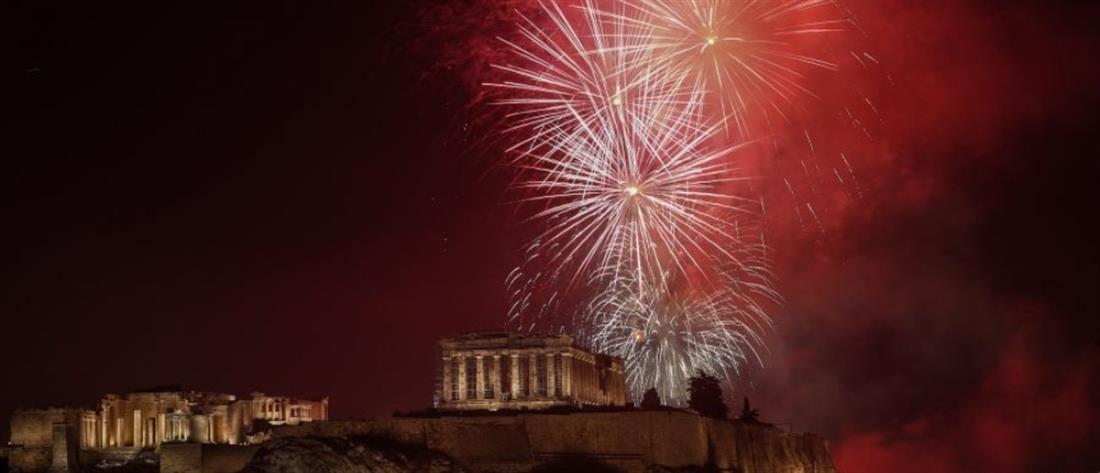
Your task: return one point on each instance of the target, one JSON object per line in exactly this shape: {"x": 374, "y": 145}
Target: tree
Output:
{"x": 748, "y": 414}
{"x": 706, "y": 396}
{"x": 651, "y": 400}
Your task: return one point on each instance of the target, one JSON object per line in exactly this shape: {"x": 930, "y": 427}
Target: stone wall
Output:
{"x": 204, "y": 458}
{"x": 226, "y": 458}
{"x": 181, "y": 458}
{"x": 668, "y": 439}
{"x": 107, "y": 456}
{"x": 64, "y": 449}
{"x": 34, "y": 427}
{"x": 631, "y": 441}
{"x": 27, "y": 459}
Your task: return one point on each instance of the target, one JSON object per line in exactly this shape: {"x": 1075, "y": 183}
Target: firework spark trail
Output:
{"x": 665, "y": 336}
{"x": 618, "y": 109}
{"x": 744, "y": 53}
{"x": 577, "y": 78}
{"x": 645, "y": 184}
{"x": 622, "y": 160}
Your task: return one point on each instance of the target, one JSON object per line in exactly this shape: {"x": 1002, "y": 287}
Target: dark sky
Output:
{"x": 287, "y": 197}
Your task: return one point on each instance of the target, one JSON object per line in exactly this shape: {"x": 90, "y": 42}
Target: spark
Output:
{"x": 673, "y": 211}
{"x": 751, "y": 55}
{"x": 617, "y": 109}
{"x": 665, "y": 336}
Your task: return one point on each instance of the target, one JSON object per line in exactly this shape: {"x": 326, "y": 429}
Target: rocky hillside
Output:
{"x": 346, "y": 455}
{"x": 761, "y": 449}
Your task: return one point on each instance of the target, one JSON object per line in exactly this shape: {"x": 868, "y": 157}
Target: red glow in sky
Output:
{"x": 303, "y": 198}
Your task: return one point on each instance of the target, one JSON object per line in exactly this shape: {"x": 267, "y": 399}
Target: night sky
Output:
{"x": 297, "y": 198}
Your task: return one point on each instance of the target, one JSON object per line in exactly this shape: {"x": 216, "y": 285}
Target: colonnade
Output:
{"x": 530, "y": 374}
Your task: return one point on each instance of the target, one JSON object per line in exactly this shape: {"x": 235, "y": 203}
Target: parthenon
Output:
{"x": 513, "y": 371}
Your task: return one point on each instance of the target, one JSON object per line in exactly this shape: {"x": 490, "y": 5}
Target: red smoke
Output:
{"x": 903, "y": 337}
{"x": 1028, "y": 409}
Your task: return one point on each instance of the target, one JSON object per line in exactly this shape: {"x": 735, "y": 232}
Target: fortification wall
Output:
{"x": 498, "y": 439}
{"x": 27, "y": 459}
{"x": 34, "y": 427}
{"x": 406, "y": 430}
{"x": 204, "y": 458}
{"x": 226, "y": 458}
{"x": 180, "y": 458}
{"x": 111, "y": 456}
{"x": 670, "y": 439}
{"x": 64, "y": 449}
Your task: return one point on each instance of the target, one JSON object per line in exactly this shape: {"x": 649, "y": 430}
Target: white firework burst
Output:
{"x": 651, "y": 196}
{"x": 666, "y": 335}
{"x": 581, "y": 73}
{"x": 749, "y": 54}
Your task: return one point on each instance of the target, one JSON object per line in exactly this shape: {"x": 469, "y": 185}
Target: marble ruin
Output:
{"x": 494, "y": 401}
{"x": 124, "y": 425}
{"x": 494, "y": 371}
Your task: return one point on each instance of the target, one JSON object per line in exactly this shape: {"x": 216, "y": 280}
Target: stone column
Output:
{"x": 445, "y": 390}
{"x": 136, "y": 440}
{"x": 479, "y": 382}
{"x": 582, "y": 379}
{"x": 515, "y": 375}
{"x": 567, "y": 374}
{"x": 533, "y": 374}
{"x": 497, "y": 388}
{"x": 577, "y": 384}
{"x": 550, "y": 375}
{"x": 461, "y": 377}
{"x": 590, "y": 385}
{"x": 103, "y": 428}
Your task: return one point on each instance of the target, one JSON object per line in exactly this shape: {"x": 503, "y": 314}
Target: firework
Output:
{"x": 751, "y": 55}
{"x": 650, "y": 196}
{"x": 617, "y": 109}
{"x": 665, "y": 336}
{"x": 584, "y": 73}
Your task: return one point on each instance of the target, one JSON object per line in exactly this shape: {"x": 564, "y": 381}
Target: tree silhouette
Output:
{"x": 651, "y": 400}
{"x": 748, "y": 414}
{"x": 706, "y": 396}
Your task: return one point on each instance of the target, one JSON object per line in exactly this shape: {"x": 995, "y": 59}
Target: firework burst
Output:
{"x": 752, "y": 56}
{"x": 666, "y": 335}
{"x": 650, "y": 196}
{"x": 584, "y": 73}
{"x": 628, "y": 120}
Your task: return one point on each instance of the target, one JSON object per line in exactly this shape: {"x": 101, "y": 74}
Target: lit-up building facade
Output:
{"x": 513, "y": 371}
{"x": 146, "y": 419}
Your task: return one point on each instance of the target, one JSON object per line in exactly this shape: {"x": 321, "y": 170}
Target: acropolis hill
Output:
{"x": 552, "y": 406}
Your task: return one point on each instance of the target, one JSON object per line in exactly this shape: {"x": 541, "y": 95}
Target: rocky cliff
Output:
{"x": 346, "y": 455}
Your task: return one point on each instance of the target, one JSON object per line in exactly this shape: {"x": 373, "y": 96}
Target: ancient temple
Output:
{"x": 513, "y": 371}
{"x": 146, "y": 419}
